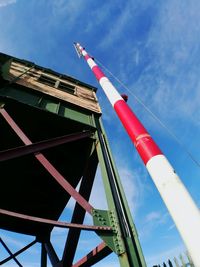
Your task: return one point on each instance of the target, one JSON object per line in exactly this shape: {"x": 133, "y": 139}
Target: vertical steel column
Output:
{"x": 51, "y": 253}
{"x": 172, "y": 190}
{"x": 79, "y": 213}
{"x": 116, "y": 201}
{"x": 43, "y": 256}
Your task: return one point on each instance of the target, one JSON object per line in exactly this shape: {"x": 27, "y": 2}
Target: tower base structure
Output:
{"x": 53, "y": 140}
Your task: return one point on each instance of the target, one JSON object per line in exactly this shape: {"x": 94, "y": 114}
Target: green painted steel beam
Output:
{"x": 112, "y": 238}
{"x": 133, "y": 255}
{"x": 46, "y": 103}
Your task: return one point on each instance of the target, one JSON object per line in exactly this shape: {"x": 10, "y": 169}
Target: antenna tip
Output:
{"x": 77, "y": 44}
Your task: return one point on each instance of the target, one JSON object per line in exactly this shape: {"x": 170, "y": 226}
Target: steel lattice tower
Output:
{"x": 52, "y": 140}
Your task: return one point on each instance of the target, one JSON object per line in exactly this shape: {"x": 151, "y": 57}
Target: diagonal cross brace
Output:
{"x": 18, "y": 252}
{"x": 47, "y": 165}
{"x": 9, "y": 251}
{"x": 97, "y": 254}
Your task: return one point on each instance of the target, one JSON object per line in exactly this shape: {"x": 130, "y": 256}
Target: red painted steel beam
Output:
{"x": 42, "y": 145}
{"x": 18, "y": 252}
{"x": 9, "y": 251}
{"x": 97, "y": 254}
{"x": 47, "y": 165}
{"x": 64, "y": 183}
{"x": 55, "y": 223}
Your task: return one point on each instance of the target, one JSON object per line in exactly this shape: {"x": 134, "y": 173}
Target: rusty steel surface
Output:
{"x": 97, "y": 254}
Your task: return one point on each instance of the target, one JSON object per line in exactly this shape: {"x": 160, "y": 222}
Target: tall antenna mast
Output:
{"x": 180, "y": 204}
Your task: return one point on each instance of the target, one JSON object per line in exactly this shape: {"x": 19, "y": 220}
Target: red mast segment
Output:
{"x": 181, "y": 206}
{"x": 143, "y": 142}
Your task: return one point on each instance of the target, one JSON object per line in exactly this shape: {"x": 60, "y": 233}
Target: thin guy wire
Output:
{"x": 152, "y": 114}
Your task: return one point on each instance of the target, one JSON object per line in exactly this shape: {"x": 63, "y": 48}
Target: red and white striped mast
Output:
{"x": 181, "y": 206}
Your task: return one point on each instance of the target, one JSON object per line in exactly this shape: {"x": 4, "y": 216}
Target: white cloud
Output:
{"x": 98, "y": 198}
{"x": 174, "y": 43}
{"x": 98, "y": 17}
{"x": 156, "y": 218}
{"x": 137, "y": 57}
{"x": 4, "y": 3}
{"x": 132, "y": 184}
{"x": 133, "y": 187}
{"x": 151, "y": 223}
{"x": 118, "y": 24}
{"x": 152, "y": 216}
{"x": 169, "y": 79}
{"x": 57, "y": 231}
{"x": 171, "y": 227}
{"x": 17, "y": 242}
{"x": 70, "y": 10}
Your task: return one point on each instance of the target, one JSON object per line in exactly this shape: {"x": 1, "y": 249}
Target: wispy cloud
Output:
{"x": 156, "y": 218}
{"x": 154, "y": 51}
{"x": 173, "y": 44}
{"x": 17, "y": 242}
{"x": 4, "y": 3}
{"x": 98, "y": 197}
{"x": 153, "y": 216}
{"x": 117, "y": 25}
{"x": 134, "y": 187}
{"x": 153, "y": 221}
{"x": 70, "y": 10}
{"x": 165, "y": 72}
{"x": 98, "y": 17}
{"x": 132, "y": 184}
{"x": 171, "y": 227}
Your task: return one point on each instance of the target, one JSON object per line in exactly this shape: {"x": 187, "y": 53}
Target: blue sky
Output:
{"x": 153, "y": 47}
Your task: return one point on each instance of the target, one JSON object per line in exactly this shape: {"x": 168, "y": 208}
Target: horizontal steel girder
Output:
{"x": 47, "y": 165}
{"x": 55, "y": 223}
{"x": 42, "y": 145}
